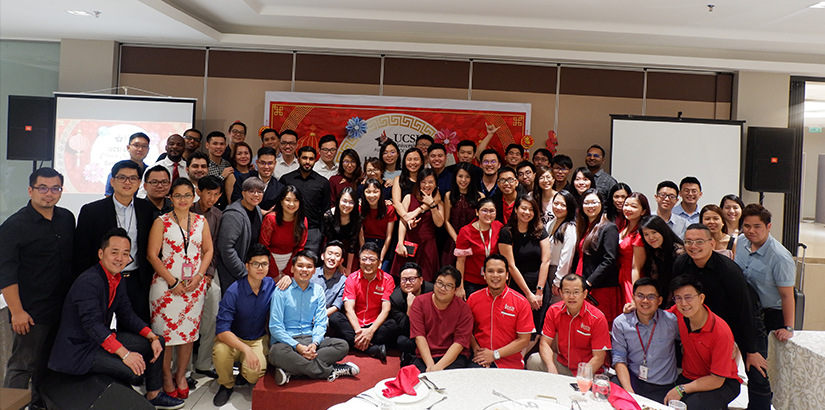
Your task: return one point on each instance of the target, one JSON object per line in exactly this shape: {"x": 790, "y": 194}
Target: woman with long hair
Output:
{"x": 413, "y": 163}
{"x": 732, "y": 206}
{"x": 418, "y": 235}
{"x": 563, "y": 240}
{"x": 241, "y": 160}
{"x": 713, "y": 217}
{"x": 389, "y": 154}
{"x": 475, "y": 242}
{"x": 284, "y": 231}
{"x": 525, "y": 244}
{"x": 662, "y": 246}
{"x": 349, "y": 174}
{"x": 377, "y": 218}
{"x": 343, "y": 223}
{"x": 180, "y": 250}
{"x": 631, "y": 249}
{"x": 459, "y": 207}
{"x": 543, "y": 193}
{"x": 615, "y": 201}
{"x": 597, "y": 254}
{"x": 582, "y": 180}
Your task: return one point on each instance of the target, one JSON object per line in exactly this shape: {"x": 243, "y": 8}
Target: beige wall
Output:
{"x": 88, "y": 65}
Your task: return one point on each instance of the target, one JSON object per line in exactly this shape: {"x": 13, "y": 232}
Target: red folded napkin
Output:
{"x": 620, "y": 399}
{"x": 404, "y": 383}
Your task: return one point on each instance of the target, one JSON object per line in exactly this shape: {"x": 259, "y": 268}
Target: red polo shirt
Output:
{"x": 497, "y": 321}
{"x": 578, "y": 335}
{"x": 506, "y": 209}
{"x": 707, "y": 350}
{"x": 368, "y": 294}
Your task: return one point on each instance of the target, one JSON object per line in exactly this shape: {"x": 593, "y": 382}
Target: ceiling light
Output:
{"x": 84, "y": 13}
{"x": 820, "y": 5}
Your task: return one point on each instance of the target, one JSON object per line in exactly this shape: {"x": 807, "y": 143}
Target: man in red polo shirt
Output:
{"x": 709, "y": 378}
{"x": 366, "y": 324}
{"x": 502, "y": 319}
{"x": 579, "y": 330}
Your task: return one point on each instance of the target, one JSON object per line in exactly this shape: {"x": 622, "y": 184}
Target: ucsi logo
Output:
{"x": 510, "y": 308}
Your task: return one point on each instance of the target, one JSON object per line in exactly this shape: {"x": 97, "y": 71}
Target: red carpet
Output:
{"x": 302, "y": 393}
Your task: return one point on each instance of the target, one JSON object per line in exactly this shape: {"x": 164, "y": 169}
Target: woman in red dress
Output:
{"x": 631, "y": 247}
{"x": 475, "y": 242}
{"x": 421, "y": 230}
{"x": 377, "y": 218}
{"x": 284, "y": 231}
{"x": 349, "y": 173}
{"x": 459, "y": 207}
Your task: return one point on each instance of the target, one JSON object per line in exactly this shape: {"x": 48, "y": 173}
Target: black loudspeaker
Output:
{"x": 770, "y": 159}
{"x": 68, "y": 392}
{"x": 31, "y": 128}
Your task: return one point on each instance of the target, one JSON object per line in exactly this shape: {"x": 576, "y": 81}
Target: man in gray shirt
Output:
{"x": 330, "y": 278}
{"x": 594, "y": 160}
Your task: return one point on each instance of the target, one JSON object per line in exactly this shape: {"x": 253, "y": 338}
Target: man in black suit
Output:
{"x": 121, "y": 210}
{"x": 265, "y": 167}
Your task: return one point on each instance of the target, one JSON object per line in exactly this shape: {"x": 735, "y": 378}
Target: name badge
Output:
{"x": 188, "y": 271}
{"x": 643, "y": 373}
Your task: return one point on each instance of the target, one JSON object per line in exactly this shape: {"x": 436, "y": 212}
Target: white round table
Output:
{"x": 472, "y": 389}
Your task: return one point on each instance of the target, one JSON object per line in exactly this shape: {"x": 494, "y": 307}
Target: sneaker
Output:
{"x": 378, "y": 351}
{"x": 281, "y": 377}
{"x": 164, "y": 401}
{"x": 346, "y": 369}
{"x": 191, "y": 383}
{"x": 223, "y": 396}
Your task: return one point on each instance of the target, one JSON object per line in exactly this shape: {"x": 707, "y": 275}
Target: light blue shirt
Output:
{"x": 661, "y": 354}
{"x": 298, "y": 312}
{"x": 677, "y": 224}
{"x": 690, "y": 218}
{"x": 770, "y": 267}
{"x": 127, "y": 219}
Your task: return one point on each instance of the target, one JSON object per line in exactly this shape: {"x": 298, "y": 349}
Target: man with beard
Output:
{"x": 287, "y": 162}
{"x": 490, "y": 163}
{"x": 173, "y": 161}
{"x": 594, "y": 161}
{"x": 156, "y": 189}
{"x": 197, "y": 167}
{"x": 316, "y": 192}
{"x": 411, "y": 285}
{"x": 272, "y": 188}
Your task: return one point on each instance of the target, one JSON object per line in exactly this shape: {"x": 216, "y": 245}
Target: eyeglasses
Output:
{"x": 140, "y": 146}
{"x": 557, "y": 169}
{"x": 575, "y": 293}
{"x": 373, "y": 171}
{"x": 184, "y": 196}
{"x": 44, "y": 189}
{"x": 490, "y": 162}
{"x": 289, "y": 143}
{"x": 155, "y": 183}
{"x": 409, "y": 280}
{"x": 651, "y": 297}
{"x": 525, "y": 174}
{"x": 238, "y": 132}
{"x": 686, "y": 298}
{"x": 592, "y": 203}
{"x": 445, "y": 286}
{"x": 255, "y": 192}
{"x": 698, "y": 242}
{"x": 347, "y": 202}
{"x": 328, "y": 150}
{"x": 266, "y": 163}
{"x": 487, "y": 211}
{"x": 259, "y": 265}
{"x": 666, "y": 196}
{"x": 191, "y": 138}
{"x": 592, "y": 155}
{"x": 347, "y": 162}
{"x": 690, "y": 191}
{"x": 123, "y": 178}
{"x": 506, "y": 181}
{"x": 546, "y": 177}
{"x": 369, "y": 259}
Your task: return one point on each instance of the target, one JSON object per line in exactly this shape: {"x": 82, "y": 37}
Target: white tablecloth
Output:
{"x": 796, "y": 369}
{"x": 472, "y": 389}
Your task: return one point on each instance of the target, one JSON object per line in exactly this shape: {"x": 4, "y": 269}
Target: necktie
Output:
{"x": 175, "y": 172}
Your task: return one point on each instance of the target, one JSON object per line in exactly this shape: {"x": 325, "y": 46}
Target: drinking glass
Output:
{"x": 584, "y": 377}
{"x": 601, "y": 387}
{"x": 677, "y": 405}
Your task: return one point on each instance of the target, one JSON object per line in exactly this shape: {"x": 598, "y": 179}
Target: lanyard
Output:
{"x": 489, "y": 245}
{"x": 644, "y": 349}
{"x": 185, "y": 237}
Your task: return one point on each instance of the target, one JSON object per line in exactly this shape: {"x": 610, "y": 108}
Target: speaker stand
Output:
{"x": 761, "y": 197}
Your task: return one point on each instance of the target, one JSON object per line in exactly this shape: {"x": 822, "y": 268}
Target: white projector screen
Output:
{"x": 92, "y": 132}
{"x": 649, "y": 150}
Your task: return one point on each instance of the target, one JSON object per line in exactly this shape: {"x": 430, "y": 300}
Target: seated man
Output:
{"x": 330, "y": 278}
{"x": 644, "y": 344}
{"x": 574, "y": 331}
{"x": 298, "y": 323}
{"x": 241, "y": 326}
{"x": 442, "y": 325}
{"x": 84, "y": 343}
{"x": 503, "y": 319}
{"x": 411, "y": 285}
{"x": 366, "y": 324}
{"x": 709, "y": 378}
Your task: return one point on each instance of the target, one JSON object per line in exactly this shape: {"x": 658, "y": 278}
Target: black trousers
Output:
{"x": 386, "y": 334}
{"x": 711, "y": 400}
{"x": 461, "y": 362}
{"x": 112, "y": 365}
{"x": 655, "y": 392}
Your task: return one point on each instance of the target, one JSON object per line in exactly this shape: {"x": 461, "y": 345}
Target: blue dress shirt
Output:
{"x": 298, "y": 312}
{"x": 243, "y": 312}
{"x": 767, "y": 269}
{"x": 661, "y": 354}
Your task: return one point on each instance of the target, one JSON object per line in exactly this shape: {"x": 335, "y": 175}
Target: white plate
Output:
{"x": 543, "y": 404}
{"x": 421, "y": 392}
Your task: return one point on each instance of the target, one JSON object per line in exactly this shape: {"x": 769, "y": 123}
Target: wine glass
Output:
{"x": 584, "y": 377}
{"x": 601, "y": 387}
{"x": 677, "y": 405}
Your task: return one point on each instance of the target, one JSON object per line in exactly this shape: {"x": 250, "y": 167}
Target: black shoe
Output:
{"x": 222, "y": 396}
{"x": 345, "y": 369}
{"x": 282, "y": 376}
{"x": 241, "y": 381}
{"x": 208, "y": 373}
{"x": 165, "y": 401}
{"x": 406, "y": 359}
{"x": 378, "y": 351}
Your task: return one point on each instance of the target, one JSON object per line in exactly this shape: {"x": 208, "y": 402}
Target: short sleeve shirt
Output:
{"x": 377, "y": 228}
{"x": 708, "y": 350}
{"x": 767, "y": 269}
{"x": 526, "y": 248}
{"x": 368, "y": 294}
{"x": 497, "y": 321}
{"x": 441, "y": 328}
{"x": 578, "y": 335}
{"x": 473, "y": 244}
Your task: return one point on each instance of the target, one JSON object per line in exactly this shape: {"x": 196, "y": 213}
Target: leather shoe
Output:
{"x": 191, "y": 383}
{"x": 222, "y": 396}
{"x": 208, "y": 373}
{"x": 378, "y": 351}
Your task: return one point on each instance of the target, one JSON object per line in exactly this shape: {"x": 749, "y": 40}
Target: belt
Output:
{"x": 126, "y": 274}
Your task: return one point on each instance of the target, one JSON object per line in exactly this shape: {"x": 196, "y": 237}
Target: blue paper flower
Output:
{"x": 356, "y": 127}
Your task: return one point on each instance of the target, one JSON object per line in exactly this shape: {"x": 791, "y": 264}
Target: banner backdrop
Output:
{"x": 364, "y": 122}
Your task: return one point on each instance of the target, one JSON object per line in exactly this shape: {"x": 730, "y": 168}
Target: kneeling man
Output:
{"x": 298, "y": 323}
{"x": 86, "y": 345}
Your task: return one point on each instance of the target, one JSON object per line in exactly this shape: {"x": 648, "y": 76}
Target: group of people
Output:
{"x": 494, "y": 261}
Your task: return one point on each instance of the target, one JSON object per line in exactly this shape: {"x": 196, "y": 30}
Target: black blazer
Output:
{"x": 98, "y": 217}
{"x": 601, "y": 268}
{"x": 85, "y": 321}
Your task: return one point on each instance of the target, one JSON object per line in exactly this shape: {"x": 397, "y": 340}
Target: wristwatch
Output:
{"x": 496, "y": 355}
{"x": 789, "y": 328}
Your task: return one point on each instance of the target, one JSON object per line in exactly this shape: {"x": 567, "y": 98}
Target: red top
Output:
{"x": 499, "y": 320}
{"x": 442, "y": 328}
{"x": 110, "y": 344}
{"x": 579, "y": 336}
{"x": 337, "y": 183}
{"x": 708, "y": 350}
{"x": 507, "y": 210}
{"x": 626, "y": 263}
{"x": 279, "y": 240}
{"x": 368, "y": 294}
{"x": 377, "y": 228}
{"x": 469, "y": 243}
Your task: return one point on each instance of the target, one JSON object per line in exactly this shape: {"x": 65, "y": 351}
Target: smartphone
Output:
{"x": 575, "y": 386}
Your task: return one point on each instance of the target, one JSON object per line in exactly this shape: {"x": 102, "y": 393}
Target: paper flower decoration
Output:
{"x": 94, "y": 173}
{"x": 448, "y": 138}
{"x": 356, "y": 127}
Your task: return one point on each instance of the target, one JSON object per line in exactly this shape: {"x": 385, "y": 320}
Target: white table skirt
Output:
{"x": 472, "y": 389}
{"x": 796, "y": 369}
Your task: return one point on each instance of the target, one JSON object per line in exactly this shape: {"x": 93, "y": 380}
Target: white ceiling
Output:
{"x": 768, "y": 35}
